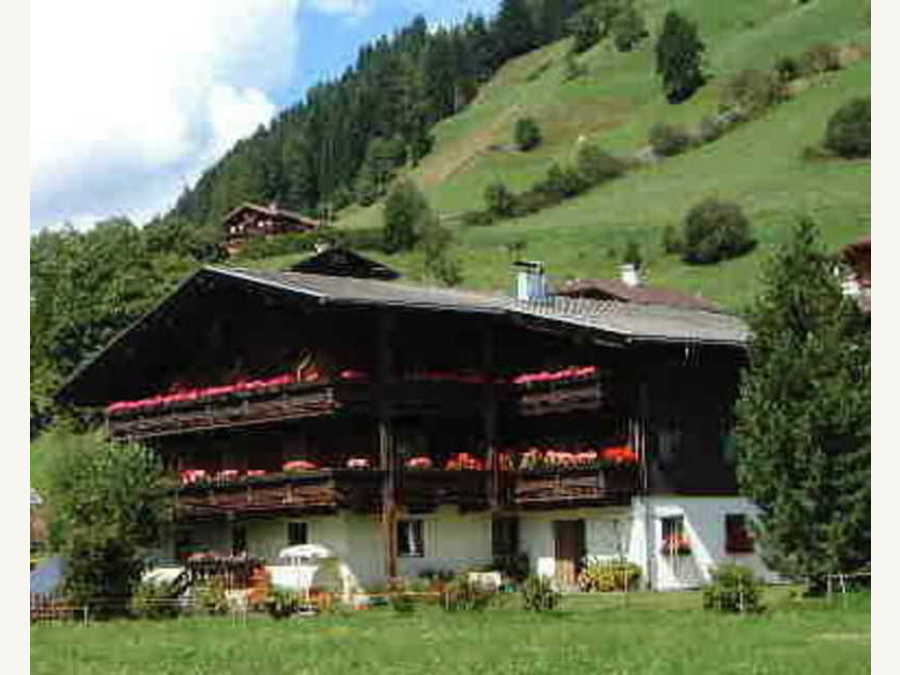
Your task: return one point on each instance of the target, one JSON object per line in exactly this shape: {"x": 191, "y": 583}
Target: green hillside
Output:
{"x": 758, "y": 164}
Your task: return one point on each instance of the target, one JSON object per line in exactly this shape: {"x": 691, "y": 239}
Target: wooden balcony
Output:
{"x": 325, "y": 491}
{"x": 568, "y": 487}
{"x": 320, "y": 491}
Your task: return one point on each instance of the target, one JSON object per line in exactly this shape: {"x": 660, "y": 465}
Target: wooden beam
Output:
{"x": 386, "y": 442}
{"x": 489, "y": 415}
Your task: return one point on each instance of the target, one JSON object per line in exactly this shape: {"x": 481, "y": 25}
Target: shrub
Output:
{"x": 671, "y": 242}
{"x": 154, "y": 600}
{"x": 628, "y": 29}
{"x": 574, "y": 69}
{"x": 539, "y": 594}
{"x": 596, "y": 166}
{"x": 788, "y": 68}
{"x": 821, "y": 57}
{"x": 710, "y": 128}
{"x": 608, "y": 575}
{"x": 401, "y": 601}
{"x": 752, "y": 91}
{"x": 211, "y": 597}
{"x": 282, "y": 603}
{"x": 499, "y": 200}
{"x": 734, "y": 588}
{"x": 460, "y": 595}
{"x": 668, "y": 140}
{"x": 561, "y": 183}
{"x": 527, "y": 134}
{"x": 535, "y": 199}
{"x": 715, "y": 230}
{"x": 477, "y": 218}
{"x": 848, "y": 133}
{"x": 586, "y": 32}
{"x": 265, "y": 247}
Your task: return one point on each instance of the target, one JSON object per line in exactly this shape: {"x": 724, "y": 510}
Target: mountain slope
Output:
{"x": 758, "y": 164}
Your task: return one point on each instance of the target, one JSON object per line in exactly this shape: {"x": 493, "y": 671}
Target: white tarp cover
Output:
{"x": 300, "y": 567}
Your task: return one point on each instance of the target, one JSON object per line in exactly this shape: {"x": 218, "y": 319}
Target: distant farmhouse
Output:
{"x": 631, "y": 288}
{"x": 252, "y": 220}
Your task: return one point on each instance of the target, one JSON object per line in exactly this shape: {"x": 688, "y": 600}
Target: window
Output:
{"x": 410, "y": 539}
{"x": 674, "y": 538}
{"x": 505, "y": 536}
{"x": 297, "y": 533}
{"x": 737, "y": 537}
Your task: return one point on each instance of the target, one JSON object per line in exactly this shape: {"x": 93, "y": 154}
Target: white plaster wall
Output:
{"x": 266, "y": 537}
{"x": 453, "y": 541}
{"x": 605, "y": 529}
{"x": 704, "y": 519}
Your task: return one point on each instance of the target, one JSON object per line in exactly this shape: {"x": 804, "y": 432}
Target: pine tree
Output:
{"x": 803, "y": 416}
{"x": 514, "y": 29}
{"x": 678, "y": 58}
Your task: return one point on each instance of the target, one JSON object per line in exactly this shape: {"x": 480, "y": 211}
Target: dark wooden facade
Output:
{"x": 252, "y": 220}
{"x": 391, "y": 384}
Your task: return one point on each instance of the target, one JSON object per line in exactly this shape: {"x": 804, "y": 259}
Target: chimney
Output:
{"x": 630, "y": 275}
{"x": 531, "y": 284}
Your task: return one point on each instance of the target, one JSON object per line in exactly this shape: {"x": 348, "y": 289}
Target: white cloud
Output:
{"x": 353, "y": 9}
{"x": 131, "y": 100}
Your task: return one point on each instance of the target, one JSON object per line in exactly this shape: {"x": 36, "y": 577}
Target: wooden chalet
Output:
{"x": 252, "y": 220}
{"x": 413, "y": 428}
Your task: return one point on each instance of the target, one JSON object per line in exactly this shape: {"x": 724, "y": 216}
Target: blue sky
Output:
{"x": 130, "y": 102}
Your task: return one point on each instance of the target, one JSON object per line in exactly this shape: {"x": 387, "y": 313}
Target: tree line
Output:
{"x": 344, "y": 141}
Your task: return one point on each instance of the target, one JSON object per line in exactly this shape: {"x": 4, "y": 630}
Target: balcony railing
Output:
{"x": 418, "y": 490}
{"x": 560, "y": 487}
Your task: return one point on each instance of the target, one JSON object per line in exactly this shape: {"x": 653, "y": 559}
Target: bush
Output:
{"x": 596, "y": 166}
{"x": 848, "y": 133}
{"x": 671, "y": 242}
{"x": 586, "y": 32}
{"x": 607, "y": 575}
{"x": 734, "y": 588}
{"x": 710, "y": 128}
{"x": 668, "y": 140}
{"x": 154, "y": 600}
{"x": 265, "y": 247}
{"x": 713, "y": 231}
{"x": 561, "y": 183}
{"x": 539, "y": 594}
{"x": 788, "y": 68}
{"x": 499, "y": 200}
{"x": 527, "y": 134}
{"x": 752, "y": 91}
{"x": 460, "y": 595}
{"x": 281, "y": 603}
{"x": 477, "y": 218}
{"x": 211, "y": 597}
{"x": 628, "y": 29}
{"x": 401, "y": 601}
{"x": 821, "y": 58}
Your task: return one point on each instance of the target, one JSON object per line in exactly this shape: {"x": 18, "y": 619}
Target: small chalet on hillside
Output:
{"x": 412, "y": 429}
{"x": 252, "y": 220}
{"x": 631, "y": 288}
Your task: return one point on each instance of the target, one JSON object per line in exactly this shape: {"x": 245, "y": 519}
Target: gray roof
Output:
{"x": 629, "y": 321}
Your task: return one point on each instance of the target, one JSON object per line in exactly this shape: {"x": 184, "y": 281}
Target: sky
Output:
{"x": 131, "y": 101}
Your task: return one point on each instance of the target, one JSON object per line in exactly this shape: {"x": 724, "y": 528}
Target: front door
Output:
{"x": 568, "y": 536}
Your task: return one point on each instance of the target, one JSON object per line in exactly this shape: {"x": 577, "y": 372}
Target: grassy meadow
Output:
{"x": 614, "y": 104}
{"x": 656, "y": 634}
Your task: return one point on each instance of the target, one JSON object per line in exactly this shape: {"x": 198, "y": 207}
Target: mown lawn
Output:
{"x": 655, "y": 634}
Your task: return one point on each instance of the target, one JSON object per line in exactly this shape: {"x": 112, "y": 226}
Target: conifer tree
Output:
{"x": 803, "y": 416}
{"x": 678, "y": 58}
{"x": 514, "y": 29}
{"x": 406, "y": 214}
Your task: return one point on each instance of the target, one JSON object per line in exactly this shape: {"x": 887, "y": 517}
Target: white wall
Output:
{"x": 605, "y": 529}
{"x": 704, "y": 520}
{"x": 453, "y": 541}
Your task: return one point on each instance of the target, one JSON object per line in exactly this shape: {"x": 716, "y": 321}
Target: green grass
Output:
{"x": 657, "y": 634}
{"x": 758, "y": 164}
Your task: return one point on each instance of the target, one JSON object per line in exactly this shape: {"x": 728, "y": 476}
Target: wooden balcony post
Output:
{"x": 489, "y": 417}
{"x": 386, "y": 444}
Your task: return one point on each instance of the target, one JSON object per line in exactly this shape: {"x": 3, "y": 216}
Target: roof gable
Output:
{"x": 342, "y": 262}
